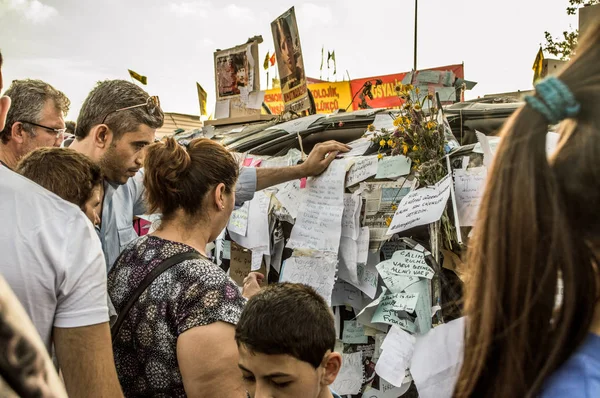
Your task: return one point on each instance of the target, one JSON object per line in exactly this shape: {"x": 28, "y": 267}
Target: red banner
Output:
{"x": 385, "y": 96}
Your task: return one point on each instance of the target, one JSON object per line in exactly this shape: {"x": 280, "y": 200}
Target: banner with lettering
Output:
{"x": 329, "y": 97}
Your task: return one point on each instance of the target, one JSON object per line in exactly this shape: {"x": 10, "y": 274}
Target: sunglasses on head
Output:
{"x": 152, "y": 106}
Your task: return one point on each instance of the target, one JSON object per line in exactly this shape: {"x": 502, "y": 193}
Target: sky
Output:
{"x": 72, "y": 44}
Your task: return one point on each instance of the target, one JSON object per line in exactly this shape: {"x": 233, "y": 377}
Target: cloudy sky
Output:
{"x": 74, "y": 43}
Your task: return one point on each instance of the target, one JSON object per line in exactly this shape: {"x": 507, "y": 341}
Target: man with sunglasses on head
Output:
{"x": 35, "y": 119}
{"x": 117, "y": 121}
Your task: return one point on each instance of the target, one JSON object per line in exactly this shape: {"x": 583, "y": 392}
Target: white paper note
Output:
{"x": 362, "y": 244}
{"x": 348, "y": 262}
{"x": 469, "y": 186}
{"x": 238, "y": 222}
{"x": 403, "y": 269}
{"x": 351, "y": 216}
{"x": 255, "y": 99}
{"x": 393, "y": 167}
{"x": 349, "y": 379}
{"x": 354, "y": 333}
{"x": 319, "y": 222}
{"x": 364, "y": 316}
{"x": 258, "y": 220}
{"x": 384, "y": 120}
{"x": 359, "y": 147}
{"x": 290, "y": 196}
{"x": 397, "y": 353}
{"x": 317, "y": 272}
{"x": 437, "y": 359}
{"x": 222, "y": 109}
{"x": 346, "y": 294}
{"x": 421, "y": 207}
{"x": 367, "y": 278}
{"x": 363, "y": 168}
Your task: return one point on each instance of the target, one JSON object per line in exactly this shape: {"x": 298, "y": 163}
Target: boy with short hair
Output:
{"x": 68, "y": 174}
{"x": 286, "y": 338}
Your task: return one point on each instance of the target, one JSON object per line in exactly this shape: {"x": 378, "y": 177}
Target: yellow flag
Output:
{"x": 138, "y": 77}
{"x": 538, "y": 65}
{"x": 201, "y": 99}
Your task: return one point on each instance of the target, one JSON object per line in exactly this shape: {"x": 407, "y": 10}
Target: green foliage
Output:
{"x": 563, "y": 47}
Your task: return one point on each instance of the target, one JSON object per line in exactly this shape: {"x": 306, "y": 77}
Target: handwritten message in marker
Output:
{"x": 469, "y": 186}
{"x": 362, "y": 169}
{"x": 317, "y": 272}
{"x": 393, "y": 167}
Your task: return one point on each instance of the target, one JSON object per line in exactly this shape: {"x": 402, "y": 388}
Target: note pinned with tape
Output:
{"x": 392, "y": 167}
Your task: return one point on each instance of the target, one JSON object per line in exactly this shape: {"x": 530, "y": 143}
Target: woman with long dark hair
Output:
{"x": 538, "y": 229}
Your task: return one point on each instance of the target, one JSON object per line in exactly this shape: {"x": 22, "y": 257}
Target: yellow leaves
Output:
{"x": 382, "y": 143}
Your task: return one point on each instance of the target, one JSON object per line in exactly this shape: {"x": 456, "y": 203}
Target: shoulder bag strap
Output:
{"x": 147, "y": 281}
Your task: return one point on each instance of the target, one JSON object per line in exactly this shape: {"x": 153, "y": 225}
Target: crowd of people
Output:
{"x": 122, "y": 315}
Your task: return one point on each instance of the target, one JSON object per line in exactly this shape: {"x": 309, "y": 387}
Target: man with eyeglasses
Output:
{"x": 116, "y": 122}
{"x": 35, "y": 119}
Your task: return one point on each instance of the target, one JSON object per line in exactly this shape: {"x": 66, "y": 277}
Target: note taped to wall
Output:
{"x": 392, "y": 167}
{"x": 238, "y": 222}
{"x": 469, "y": 187}
{"x": 421, "y": 207}
{"x": 350, "y": 378}
{"x": 362, "y": 169}
{"x": 317, "y": 272}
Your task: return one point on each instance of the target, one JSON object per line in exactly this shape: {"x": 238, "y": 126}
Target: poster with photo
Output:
{"x": 290, "y": 62}
{"x": 234, "y": 71}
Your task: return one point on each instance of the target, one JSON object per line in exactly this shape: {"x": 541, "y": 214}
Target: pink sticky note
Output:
{"x": 247, "y": 162}
{"x": 256, "y": 163}
{"x": 303, "y": 182}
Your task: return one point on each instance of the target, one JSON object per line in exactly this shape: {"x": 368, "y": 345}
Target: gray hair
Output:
{"x": 107, "y": 97}
{"x": 28, "y": 99}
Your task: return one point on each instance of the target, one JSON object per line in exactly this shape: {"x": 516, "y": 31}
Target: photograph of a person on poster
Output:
{"x": 232, "y": 73}
{"x": 288, "y": 51}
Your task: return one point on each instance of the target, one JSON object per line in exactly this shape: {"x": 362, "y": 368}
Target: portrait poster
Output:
{"x": 290, "y": 62}
{"x": 234, "y": 71}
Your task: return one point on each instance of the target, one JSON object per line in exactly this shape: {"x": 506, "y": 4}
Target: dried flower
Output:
{"x": 417, "y": 90}
{"x": 415, "y": 148}
{"x": 393, "y": 144}
{"x": 390, "y": 142}
{"x": 404, "y": 149}
{"x": 370, "y": 127}
{"x": 382, "y": 143}
{"x": 380, "y": 156}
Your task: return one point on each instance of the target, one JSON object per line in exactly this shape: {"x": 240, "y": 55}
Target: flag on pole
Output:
{"x": 322, "y": 60}
{"x": 266, "y": 63}
{"x": 538, "y": 65}
{"x": 138, "y": 77}
{"x": 202, "y": 97}
{"x": 334, "y": 63}
{"x": 273, "y": 59}
{"x": 328, "y": 59}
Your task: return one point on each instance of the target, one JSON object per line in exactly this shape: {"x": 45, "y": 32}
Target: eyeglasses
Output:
{"x": 152, "y": 106}
{"x": 58, "y": 132}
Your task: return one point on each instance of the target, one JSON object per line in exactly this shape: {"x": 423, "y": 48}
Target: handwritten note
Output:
{"x": 258, "y": 218}
{"x": 351, "y": 216}
{"x": 359, "y": 147}
{"x": 350, "y": 378}
{"x": 348, "y": 264}
{"x": 364, "y": 317}
{"x": 421, "y": 207}
{"x": 238, "y": 222}
{"x": 362, "y": 169}
{"x": 319, "y": 222}
{"x": 469, "y": 186}
{"x": 390, "y": 308}
{"x": 241, "y": 264}
{"x": 289, "y": 196}
{"x": 392, "y": 167}
{"x": 397, "y": 353}
{"x": 367, "y": 278}
{"x": 354, "y": 333}
{"x": 423, "y": 309}
{"x": 363, "y": 245}
{"x": 437, "y": 359}
{"x": 346, "y": 294}
{"x": 403, "y": 269}
{"x": 317, "y": 272}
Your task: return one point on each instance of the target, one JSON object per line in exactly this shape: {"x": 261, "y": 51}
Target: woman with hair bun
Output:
{"x": 532, "y": 297}
{"x": 177, "y": 338}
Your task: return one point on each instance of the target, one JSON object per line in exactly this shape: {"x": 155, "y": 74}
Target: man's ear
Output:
{"x": 16, "y": 132}
{"x": 101, "y": 135}
{"x": 332, "y": 363}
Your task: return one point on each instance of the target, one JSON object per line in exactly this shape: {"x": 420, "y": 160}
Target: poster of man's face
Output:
{"x": 232, "y": 73}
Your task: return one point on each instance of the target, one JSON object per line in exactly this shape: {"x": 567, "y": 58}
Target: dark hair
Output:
{"x": 107, "y": 97}
{"x": 285, "y": 27}
{"x": 287, "y": 318}
{"x": 538, "y": 222}
{"x": 70, "y": 126}
{"x": 176, "y": 178}
{"x": 66, "y": 172}
{"x": 28, "y": 98}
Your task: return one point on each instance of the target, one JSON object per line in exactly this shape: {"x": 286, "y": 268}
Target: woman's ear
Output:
{"x": 332, "y": 363}
{"x": 220, "y": 196}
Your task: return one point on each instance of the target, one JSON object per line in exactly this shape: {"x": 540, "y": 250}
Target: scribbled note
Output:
{"x": 393, "y": 167}
{"x": 350, "y": 378}
{"x": 346, "y": 294}
{"x": 317, "y": 272}
{"x": 362, "y": 169}
{"x": 469, "y": 186}
{"x": 351, "y": 216}
{"x": 319, "y": 222}
{"x": 403, "y": 269}
{"x": 397, "y": 353}
{"x": 238, "y": 222}
{"x": 354, "y": 333}
{"x": 421, "y": 207}
{"x": 290, "y": 196}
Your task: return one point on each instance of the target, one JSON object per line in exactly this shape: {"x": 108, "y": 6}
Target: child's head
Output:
{"x": 68, "y": 174}
{"x": 286, "y": 339}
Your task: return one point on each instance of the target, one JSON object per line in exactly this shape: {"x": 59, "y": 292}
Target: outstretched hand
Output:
{"x": 321, "y": 157}
{"x": 252, "y": 284}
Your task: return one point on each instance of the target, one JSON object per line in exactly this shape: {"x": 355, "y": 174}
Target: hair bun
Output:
{"x": 168, "y": 163}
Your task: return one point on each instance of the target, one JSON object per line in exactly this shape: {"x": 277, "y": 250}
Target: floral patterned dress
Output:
{"x": 192, "y": 293}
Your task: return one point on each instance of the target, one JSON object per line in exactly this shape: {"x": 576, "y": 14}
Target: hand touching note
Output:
{"x": 252, "y": 284}
{"x": 321, "y": 157}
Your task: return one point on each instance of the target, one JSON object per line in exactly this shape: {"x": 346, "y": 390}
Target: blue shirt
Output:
{"x": 123, "y": 202}
{"x": 579, "y": 377}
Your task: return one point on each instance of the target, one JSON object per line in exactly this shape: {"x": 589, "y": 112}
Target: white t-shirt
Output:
{"x": 51, "y": 257}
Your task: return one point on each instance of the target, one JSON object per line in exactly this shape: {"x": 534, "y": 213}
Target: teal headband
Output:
{"x": 556, "y": 102}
